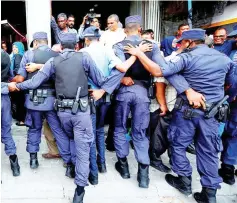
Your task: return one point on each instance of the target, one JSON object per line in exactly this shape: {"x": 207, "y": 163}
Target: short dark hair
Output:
{"x": 220, "y": 28}
{"x": 91, "y": 19}
{"x": 68, "y": 45}
{"x": 132, "y": 26}
{"x": 42, "y": 41}
{"x": 182, "y": 25}
{"x": 148, "y": 31}
{"x": 92, "y": 38}
{"x": 71, "y": 16}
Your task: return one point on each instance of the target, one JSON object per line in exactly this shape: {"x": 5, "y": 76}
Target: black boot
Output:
{"x": 78, "y": 196}
{"x": 227, "y": 172}
{"x": 70, "y": 170}
{"x": 160, "y": 166}
{"x": 102, "y": 168}
{"x": 34, "y": 161}
{"x": 207, "y": 195}
{"x": 143, "y": 175}
{"x": 122, "y": 167}
{"x": 181, "y": 183}
{"x": 93, "y": 179}
{"x": 191, "y": 149}
{"x": 14, "y": 165}
{"x": 236, "y": 172}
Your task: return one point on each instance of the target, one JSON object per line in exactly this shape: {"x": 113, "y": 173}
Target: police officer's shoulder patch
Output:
{"x": 175, "y": 59}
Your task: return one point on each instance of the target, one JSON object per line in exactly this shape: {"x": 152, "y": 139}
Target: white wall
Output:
{"x": 38, "y": 16}
{"x": 230, "y": 12}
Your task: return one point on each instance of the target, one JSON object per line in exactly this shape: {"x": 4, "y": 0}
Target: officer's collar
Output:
{"x": 43, "y": 46}
{"x": 68, "y": 50}
{"x": 133, "y": 37}
{"x": 198, "y": 46}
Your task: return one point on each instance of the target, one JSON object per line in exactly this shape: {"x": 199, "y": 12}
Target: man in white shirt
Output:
{"x": 114, "y": 33}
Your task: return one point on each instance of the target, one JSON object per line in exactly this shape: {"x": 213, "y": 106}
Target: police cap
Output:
{"x": 194, "y": 34}
{"x": 39, "y": 36}
{"x": 91, "y": 31}
{"x": 133, "y": 19}
{"x": 68, "y": 37}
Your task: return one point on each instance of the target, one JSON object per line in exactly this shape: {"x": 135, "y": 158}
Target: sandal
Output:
{"x": 51, "y": 156}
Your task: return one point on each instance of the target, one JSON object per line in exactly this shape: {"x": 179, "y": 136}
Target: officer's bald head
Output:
{"x": 132, "y": 27}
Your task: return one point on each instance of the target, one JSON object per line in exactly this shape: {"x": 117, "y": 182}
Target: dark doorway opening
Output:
{"x": 80, "y": 8}
{"x": 17, "y": 18}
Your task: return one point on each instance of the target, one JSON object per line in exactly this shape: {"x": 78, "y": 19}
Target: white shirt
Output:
{"x": 109, "y": 38}
{"x": 170, "y": 92}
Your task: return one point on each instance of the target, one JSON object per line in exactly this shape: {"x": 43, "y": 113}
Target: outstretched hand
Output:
{"x": 195, "y": 99}
{"x": 32, "y": 67}
{"x": 144, "y": 46}
{"x": 12, "y": 87}
{"x": 96, "y": 93}
{"x": 130, "y": 49}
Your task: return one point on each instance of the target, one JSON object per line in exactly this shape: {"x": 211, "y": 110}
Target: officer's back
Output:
{"x": 205, "y": 70}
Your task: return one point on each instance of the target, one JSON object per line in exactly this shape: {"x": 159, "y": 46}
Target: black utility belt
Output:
{"x": 38, "y": 96}
{"x": 62, "y": 104}
{"x": 189, "y": 112}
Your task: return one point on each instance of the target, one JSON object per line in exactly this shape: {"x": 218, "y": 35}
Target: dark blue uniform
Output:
{"x": 6, "y": 117}
{"x": 229, "y": 154}
{"x": 36, "y": 114}
{"x": 206, "y": 70}
{"x": 135, "y": 99}
{"x": 78, "y": 126}
{"x": 6, "y": 121}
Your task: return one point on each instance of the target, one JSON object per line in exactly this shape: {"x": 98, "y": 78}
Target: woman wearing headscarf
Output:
{"x": 18, "y": 98}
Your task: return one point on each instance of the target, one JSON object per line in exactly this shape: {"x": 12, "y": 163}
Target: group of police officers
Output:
{"x": 58, "y": 92}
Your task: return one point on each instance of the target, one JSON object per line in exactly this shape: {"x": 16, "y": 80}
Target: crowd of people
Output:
{"x": 176, "y": 96}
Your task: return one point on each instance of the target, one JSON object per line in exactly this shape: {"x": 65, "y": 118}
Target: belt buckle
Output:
{"x": 188, "y": 113}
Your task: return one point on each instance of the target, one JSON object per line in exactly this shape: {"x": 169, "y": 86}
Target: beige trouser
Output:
{"x": 51, "y": 142}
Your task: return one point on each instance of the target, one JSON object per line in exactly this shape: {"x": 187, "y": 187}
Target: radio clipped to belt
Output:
{"x": 92, "y": 105}
{"x": 152, "y": 89}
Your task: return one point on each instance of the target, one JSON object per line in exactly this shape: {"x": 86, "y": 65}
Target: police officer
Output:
{"x": 206, "y": 70}
{"x": 105, "y": 60}
{"x": 39, "y": 104}
{"x": 133, "y": 96}
{"x": 229, "y": 138}
{"x": 6, "y": 117}
{"x": 71, "y": 70}
{"x": 229, "y": 154}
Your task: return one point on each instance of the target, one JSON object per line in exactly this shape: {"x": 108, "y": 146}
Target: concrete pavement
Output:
{"x": 48, "y": 184}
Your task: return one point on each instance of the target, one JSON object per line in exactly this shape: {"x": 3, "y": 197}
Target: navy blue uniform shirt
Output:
{"x": 176, "y": 80}
{"x": 48, "y": 70}
{"x": 205, "y": 69}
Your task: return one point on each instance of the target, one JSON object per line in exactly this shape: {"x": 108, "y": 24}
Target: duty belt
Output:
{"x": 188, "y": 111}
{"x": 72, "y": 104}
{"x": 38, "y": 96}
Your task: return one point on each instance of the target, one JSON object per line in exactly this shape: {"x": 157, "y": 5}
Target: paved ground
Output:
{"x": 48, "y": 184}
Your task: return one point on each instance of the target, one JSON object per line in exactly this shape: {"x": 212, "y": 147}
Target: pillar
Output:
{"x": 38, "y": 16}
